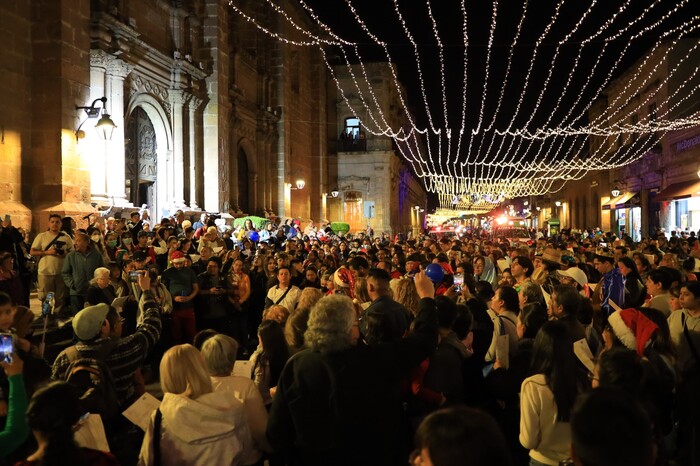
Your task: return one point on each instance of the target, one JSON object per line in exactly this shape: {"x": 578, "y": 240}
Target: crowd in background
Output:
{"x": 362, "y": 348}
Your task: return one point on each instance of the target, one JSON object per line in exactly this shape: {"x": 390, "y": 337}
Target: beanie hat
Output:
{"x": 88, "y": 322}
{"x": 633, "y": 329}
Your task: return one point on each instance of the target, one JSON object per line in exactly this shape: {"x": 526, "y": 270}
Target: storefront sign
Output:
{"x": 687, "y": 144}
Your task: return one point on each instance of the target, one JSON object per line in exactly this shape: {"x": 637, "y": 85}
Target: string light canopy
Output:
{"x": 524, "y": 106}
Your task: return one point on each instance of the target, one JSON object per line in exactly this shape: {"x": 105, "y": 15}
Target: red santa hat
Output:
{"x": 344, "y": 278}
{"x": 633, "y": 329}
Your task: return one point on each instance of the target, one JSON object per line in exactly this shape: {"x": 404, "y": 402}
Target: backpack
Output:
{"x": 93, "y": 381}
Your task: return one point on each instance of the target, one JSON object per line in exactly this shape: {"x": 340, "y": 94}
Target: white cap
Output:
{"x": 577, "y": 274}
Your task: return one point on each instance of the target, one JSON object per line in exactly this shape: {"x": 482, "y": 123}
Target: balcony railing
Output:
{"x": 352, "y": 145}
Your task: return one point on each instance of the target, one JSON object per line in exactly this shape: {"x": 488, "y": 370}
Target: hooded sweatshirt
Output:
{"x": 209, "y": 430}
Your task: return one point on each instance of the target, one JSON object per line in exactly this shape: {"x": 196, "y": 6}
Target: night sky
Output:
{"x": 382, "y": 20}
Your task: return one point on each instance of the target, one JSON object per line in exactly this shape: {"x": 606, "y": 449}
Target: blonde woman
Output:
{"x": 194, "y": 425}
{"x": 405, "y": 293}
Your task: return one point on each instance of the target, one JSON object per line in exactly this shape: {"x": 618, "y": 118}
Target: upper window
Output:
{"x": 352, "y": 128}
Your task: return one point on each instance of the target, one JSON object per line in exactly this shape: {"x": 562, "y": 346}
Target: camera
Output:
{"x": 59, "y": 245}
{"x": 134, "y": 275}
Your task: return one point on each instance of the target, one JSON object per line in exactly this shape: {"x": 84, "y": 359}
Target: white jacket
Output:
{"x": 211, "y": 430}
{"x": 245, "y": 391}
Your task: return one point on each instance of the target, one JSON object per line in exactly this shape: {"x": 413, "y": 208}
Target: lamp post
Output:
{"x": 104, "y": 126}
{"x": 299, "y": 185}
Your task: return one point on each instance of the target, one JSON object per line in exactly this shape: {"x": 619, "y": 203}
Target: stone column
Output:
{"x": 99, "y": 60}
{"x": 195, "y": 143}
{"x": 178, "y": 98}
{"x": 107, "y": 159}
{"x": 216, "y": 124}
{"x": 116, "y": 71}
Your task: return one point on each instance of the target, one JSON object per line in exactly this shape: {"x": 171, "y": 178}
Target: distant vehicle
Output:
{"x": 514, "y": 229}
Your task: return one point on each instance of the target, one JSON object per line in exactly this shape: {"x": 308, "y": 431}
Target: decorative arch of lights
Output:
{"x": 479, "y": 165}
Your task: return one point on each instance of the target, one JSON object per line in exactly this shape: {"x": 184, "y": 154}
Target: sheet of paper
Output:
{"x": 592, "y": 286}
{"x": 119, "y": 303}
{"x": 217, "y": 249}
{"x": 614, "y": 305}
{"x": 140, "y": 411}
{"x": 91, "y": 434}
{"x": 243, "y": 369}
{"x": 584, "y": 354}
{"x": 547, "y": 297}
{"x": 502, "y": 344}
{"x": 195, "y": 257}
{"x": 503, "y": 264}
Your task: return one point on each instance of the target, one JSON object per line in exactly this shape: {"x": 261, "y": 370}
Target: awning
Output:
{"x": 612, "y": 202}
{"x": 678, "y": 191}
{"x": 624, "y": 201}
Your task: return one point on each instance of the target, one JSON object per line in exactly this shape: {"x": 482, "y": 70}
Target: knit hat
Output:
{"x": 177, "y": 256}
{"x": 88, "y": 322}
{"x": 633, "y": 329}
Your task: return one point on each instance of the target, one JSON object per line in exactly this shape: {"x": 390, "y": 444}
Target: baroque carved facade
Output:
{"x": 209, "y": 112}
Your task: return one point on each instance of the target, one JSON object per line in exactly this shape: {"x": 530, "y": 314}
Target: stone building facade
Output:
{"x": 210, "y": 112}
{"x": 375, "y": 185}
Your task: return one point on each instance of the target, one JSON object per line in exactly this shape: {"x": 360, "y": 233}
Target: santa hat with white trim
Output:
{"x": 633, "y": 329}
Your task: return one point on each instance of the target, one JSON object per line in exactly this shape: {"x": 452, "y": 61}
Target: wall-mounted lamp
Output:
{"x": 105, "y": 126}
{"x": 300, "y": 183}
{"x": 335, "y": 193}
{"x": 416, "y": 208}
{"x": 422, "y": 210}
{"x": 538, "y": 208}
{"x": 557, "y": 203}
{"x": 526, "y": 203}
{"x": 615, "y": 192}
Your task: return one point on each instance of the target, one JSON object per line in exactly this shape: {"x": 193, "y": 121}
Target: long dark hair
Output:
{"x": 54, "y": 411}
{"x": 275, "y": 348}
{"x": 553, "y": 356}
{"x": 630, "y": 264}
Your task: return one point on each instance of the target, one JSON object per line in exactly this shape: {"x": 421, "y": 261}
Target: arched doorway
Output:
{"x": 243, "y": 181}
{"x": 141, "y": 159}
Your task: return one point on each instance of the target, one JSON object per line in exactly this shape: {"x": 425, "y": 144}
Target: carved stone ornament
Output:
{"x": 142, "y": 85}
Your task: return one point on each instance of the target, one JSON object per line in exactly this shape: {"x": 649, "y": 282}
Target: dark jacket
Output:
{"x": 97, "y": 295}
{"x": 79, "y": 268}
{"x": 344, "y": 408}
{"x": 395, "y": 314}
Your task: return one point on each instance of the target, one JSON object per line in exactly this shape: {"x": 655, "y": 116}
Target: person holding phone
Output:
{"x": 16, "y": 429}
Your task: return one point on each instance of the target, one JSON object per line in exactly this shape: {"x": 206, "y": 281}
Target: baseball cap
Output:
{"x": 577, "y": 274}
{"x": 88, "y": 322}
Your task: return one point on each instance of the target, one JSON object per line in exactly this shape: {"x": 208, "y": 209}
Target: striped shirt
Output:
{"x": 128, "y": 354}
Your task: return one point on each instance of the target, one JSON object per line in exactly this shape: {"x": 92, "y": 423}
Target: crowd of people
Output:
{"x": 362, "y": 350}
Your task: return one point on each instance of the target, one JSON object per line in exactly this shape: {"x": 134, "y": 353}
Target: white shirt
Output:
{"x": 290, "y": 301}
{"x": 547, "y": 439}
